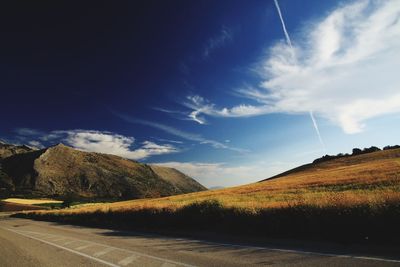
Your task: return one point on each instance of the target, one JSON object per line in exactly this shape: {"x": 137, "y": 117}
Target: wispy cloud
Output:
{"x": 27, "y": 131}
{"x": 99, "y": 141}
{"x": 111, "y": 143}
{"x": 184, "y": 68}
{"x": 224, "y": 36}
{"x": 36, "y": 144}
{"x": 343, "y": 68}
{"x": 177, "y": 114}
{"x": 184, "y": 115}
{"x": 201, "y": 106}
{"x": 179, "y": 133}
{"x": 168, "y": 140}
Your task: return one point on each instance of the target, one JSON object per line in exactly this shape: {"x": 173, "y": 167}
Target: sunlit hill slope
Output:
{"x": 349, "y": 198}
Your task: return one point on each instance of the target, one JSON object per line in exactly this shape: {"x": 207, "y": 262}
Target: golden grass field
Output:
{"x": 350, "y": 199}
{"x": 371, "y": 179}
{"x": 21, "y": 204}
{"x": 31, "y": 201}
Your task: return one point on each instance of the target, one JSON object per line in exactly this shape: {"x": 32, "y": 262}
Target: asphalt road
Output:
{"x": 32, "y": 243}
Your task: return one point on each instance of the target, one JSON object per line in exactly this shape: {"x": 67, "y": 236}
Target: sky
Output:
{"x": 229, "y": 92}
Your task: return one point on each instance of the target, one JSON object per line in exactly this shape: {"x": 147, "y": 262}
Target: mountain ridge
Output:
{"x": 7, "y": 150}
{"x": 60, "y": 171}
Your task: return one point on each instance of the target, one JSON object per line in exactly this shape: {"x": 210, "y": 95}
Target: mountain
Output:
{"x": 178, "y": 179}
{"x": 61, "y": 171}
{"x": 7, "y": 150}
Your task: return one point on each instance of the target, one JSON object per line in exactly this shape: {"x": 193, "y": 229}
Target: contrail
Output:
{"x": 283, "y": 24}
{"x": 317, "y": 129}
{"x": 289, "y": 42}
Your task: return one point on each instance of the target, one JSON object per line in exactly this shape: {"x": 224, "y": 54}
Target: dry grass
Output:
{"x": 9, "y": 206}
{"x": 31, "y": 201}
{"x": 365, "y": 179}
{"x": 344, "y": 199}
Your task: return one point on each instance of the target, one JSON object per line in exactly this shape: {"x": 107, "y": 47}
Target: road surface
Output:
{"x": 32, "y": 243}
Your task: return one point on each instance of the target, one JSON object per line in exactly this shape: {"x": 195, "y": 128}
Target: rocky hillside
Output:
{"x": 180, "y": 180}
{"x": 7, "y": 150}
{"x": 61, "y": 170}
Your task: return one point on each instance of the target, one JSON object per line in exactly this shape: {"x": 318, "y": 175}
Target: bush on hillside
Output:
{"x": 355, "y": 151}
{"x": 391, "y": 147}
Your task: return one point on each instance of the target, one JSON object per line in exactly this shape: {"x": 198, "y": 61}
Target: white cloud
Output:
{"x": 217, "y": 174}
{"x": 111, "y": 143}
{"x": 201, "y": 105}
{"x": 36, "y": 144}
{"x": 101, "y": 142}
{"x": 346, "y": 70}
{"x": 149, "y": 148}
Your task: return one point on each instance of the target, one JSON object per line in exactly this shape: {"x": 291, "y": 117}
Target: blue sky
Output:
{"x": 218, "y": 89}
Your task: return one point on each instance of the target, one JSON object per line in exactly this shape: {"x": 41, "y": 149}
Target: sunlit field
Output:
{"x": 20, "y": 204}
{"x": 31, "y": 201}
{"x": 353, "y": 192}
{"x": 365, "y": 179}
